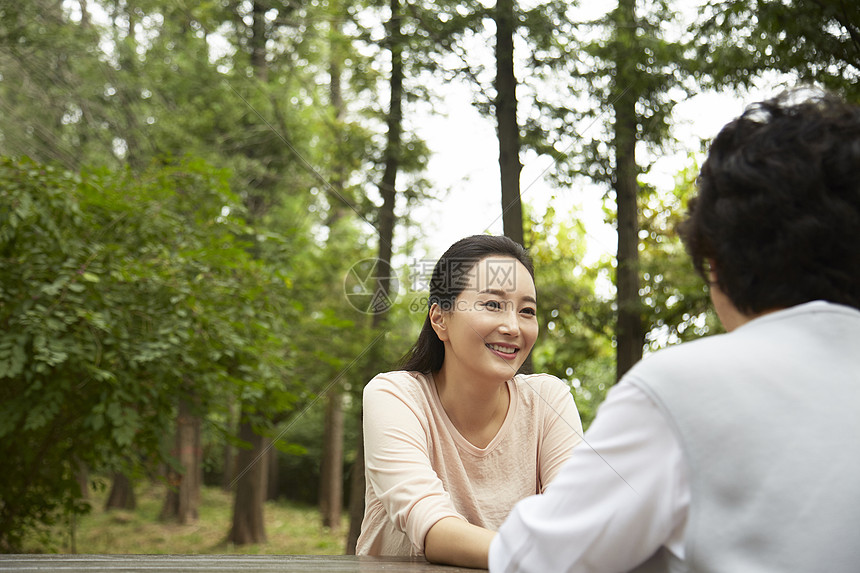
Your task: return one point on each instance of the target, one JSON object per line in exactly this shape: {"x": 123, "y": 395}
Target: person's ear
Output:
{"x": 711, "y": 271}
{"x": 439, "y": 322}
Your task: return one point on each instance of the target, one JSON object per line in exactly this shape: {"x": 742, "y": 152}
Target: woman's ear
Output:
{"x": 439, "y": 322}
{"x": 711, "y": 270}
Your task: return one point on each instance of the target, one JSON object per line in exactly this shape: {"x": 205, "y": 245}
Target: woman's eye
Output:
{"x": 492, "y": 304}
{"x": 529, "y": 311}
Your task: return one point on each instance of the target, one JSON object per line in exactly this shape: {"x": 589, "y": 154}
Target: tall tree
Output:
{"x": 386, "y": 222}
{"x": 447, "y": 26}
{"x": 247, "y": 521}
{"x": 186, "y": 476}
{"x": 626, "y": 74}
{"x": 124, "y": 23}
{"x": 253, "y": 461}
{"x": 508, "y": 126}
{"x": 121, "y": 495}
{"x": 331, "y": 470}
{"x": 624, "y": 95}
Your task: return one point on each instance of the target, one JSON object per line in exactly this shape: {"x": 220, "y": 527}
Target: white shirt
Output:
{"x": 630, "y": 466}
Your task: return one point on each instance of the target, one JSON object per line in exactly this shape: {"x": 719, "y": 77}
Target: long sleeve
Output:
{"x": 397, "y": 458}
{"x": 561, "y": 428}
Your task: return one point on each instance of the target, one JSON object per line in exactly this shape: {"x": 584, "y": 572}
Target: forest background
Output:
{"x": 208, "y": 240}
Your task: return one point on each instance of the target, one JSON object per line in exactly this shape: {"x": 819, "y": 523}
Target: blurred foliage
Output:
{"x": 123, "y": 297}
{"x": 675, "y": 298}
{"x": 575, "y": 341}
{"x": 817, "y": 41}
{"x": 576, "y": 300}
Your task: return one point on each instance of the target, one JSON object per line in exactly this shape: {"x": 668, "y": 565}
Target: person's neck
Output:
{"x": 476, "y": 408}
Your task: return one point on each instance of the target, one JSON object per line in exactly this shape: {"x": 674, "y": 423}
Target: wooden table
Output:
{"x": 210, "y": 563}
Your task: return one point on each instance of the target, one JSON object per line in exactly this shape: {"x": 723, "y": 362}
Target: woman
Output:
{"x": 457, "y": 437}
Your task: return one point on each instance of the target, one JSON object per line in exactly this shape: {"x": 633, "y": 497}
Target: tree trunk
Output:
{"x": 127, "y": 91}
{"x": 82, "y": 475}
{"x": 331, "y": 473}
{"x": 338, "y": 206}
{"x": 387, "y": 220}
{"x": 357, "y": 487}
{"x": 229, "y": 453}
{"x": 85, "y": 15}
{"x": 629, "y": 329}
{"x": 257, "y": 41}
{"x": 388, "y": 185}
{"x": 272, "y": 468}
{"x": 506, "y": 118}
{"x": 248, "y": 524}
{"x": 251, "y": 480}
{"x": 183, "y": 494}
{"x": 121, "y": 493}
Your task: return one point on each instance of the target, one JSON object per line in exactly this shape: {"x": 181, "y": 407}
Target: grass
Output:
{"x": 290, "y": 529}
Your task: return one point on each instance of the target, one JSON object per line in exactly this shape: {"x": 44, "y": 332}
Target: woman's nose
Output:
{"x": 509, "y": 322}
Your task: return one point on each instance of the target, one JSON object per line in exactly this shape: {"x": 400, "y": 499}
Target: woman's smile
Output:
{"x": 506, "y": 351}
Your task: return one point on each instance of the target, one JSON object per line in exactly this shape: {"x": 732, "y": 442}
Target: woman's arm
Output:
{"x": 397, "y": 456}
{"x": 456, "y": 542}
{"x": 562, "y": 429}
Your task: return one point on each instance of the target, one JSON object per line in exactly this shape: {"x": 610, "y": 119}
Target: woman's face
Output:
{"x": 493, "y": 325}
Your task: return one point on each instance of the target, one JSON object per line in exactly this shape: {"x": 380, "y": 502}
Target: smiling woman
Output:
{"x": 457, "y": 437}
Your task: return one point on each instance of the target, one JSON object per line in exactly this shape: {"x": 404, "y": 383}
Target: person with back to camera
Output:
{"x": 456, "y": 437}
{"x": 736, "y": 453}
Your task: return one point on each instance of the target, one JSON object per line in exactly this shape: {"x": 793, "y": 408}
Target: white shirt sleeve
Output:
{"x": 622, "y": 495}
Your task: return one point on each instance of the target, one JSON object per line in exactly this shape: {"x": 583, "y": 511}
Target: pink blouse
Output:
{"x": 420, "y": 469}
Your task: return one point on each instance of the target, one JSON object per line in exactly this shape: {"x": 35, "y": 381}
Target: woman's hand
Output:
{"x": 456, "y": 542}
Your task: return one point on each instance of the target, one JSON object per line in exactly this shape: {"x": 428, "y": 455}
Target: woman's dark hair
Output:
{"x": 450, "y": 277}
{"x": 778, "y": 204}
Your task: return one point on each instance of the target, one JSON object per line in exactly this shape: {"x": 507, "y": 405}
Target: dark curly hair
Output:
{"x": 450, "y": 277}
{"x": 777, "y": 211}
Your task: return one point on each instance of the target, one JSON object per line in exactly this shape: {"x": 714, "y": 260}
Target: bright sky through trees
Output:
{"x": 465, "y": 160}
{"x": 465, "y": 149}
